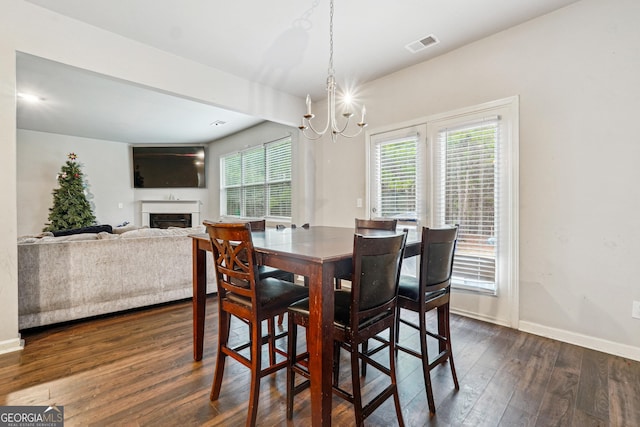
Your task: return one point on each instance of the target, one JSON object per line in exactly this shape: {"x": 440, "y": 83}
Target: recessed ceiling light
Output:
{"x": 29, "y": 97}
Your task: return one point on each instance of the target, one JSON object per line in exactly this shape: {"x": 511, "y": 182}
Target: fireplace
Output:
{"x": 170, "y": 213}
{"x": 157, "y": 220}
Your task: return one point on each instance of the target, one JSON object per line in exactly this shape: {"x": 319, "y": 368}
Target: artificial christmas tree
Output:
{"x": 71, "y": 209}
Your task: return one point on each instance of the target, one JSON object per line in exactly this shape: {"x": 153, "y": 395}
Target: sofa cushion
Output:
{"x": 128, "y": 227}
{"x": 70, "y": 238}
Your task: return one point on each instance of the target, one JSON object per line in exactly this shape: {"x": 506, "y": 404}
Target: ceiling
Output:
{"x": 282, "y": 44}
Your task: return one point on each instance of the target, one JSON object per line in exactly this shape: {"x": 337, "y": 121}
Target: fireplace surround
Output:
{"x": 170, "y": 213}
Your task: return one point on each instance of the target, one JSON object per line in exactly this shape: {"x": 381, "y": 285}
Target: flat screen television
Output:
{"x": 169, "y": 167}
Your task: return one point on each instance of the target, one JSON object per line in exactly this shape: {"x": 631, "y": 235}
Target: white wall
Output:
{"x": 27, "y": 28}
{"x": 9, "y": 337}
{"x": 576, "y": 72}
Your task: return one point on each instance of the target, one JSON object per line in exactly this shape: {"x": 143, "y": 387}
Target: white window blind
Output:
{"x": 466, "y": 160}
{"x": 257, "y": 182}
{"x": 278, "y": 178}
{"x": 232, "y": 183}
{"x": 395, "y": 177}
{"x": 253, "y": 177}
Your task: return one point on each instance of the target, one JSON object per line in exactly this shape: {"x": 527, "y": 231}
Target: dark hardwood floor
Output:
{"x": 137, "y": 369}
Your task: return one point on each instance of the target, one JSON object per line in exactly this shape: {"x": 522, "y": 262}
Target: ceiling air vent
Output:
{"x": 423, "y": 43}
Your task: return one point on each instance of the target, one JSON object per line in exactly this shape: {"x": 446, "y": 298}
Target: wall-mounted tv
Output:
{"x": 169, "y": 167}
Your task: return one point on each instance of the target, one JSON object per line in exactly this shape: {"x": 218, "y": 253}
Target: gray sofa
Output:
{"x": 74, "y": 277}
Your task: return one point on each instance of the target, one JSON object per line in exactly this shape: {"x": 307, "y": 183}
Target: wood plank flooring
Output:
{"x": 136, "y": 369}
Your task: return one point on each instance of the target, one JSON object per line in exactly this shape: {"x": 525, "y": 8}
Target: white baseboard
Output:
{"x": 593, "y": 343}
{"x": 481, "y": 317}
{"x": 598, "y": 344}
{"x": 12, "y": 345}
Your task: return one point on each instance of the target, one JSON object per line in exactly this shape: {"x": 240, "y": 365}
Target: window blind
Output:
{"x": 257, "y": 182}
{"x": 395, "y": 175}
{"x": 279, "y": 178}
{"x": 466, "y": 160}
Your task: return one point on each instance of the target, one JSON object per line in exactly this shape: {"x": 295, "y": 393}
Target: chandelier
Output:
{"x": 307, "y": 128}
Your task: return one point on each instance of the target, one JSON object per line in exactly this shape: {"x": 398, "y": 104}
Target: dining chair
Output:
{"x": 369, "y": 224}
{"x": 376, "y": 224}
{"x": 265, "y": 271}
{"x": 430, "y": 290}
{"x": 360, "y": 314}
{"x": 242, "y": 295}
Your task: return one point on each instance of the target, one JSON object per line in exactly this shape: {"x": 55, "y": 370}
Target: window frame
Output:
{"x": 416, "y": 132}
{"x": 476, "y": 255}
{"x": 263, "y": 184}
{"x": 502, "y": 308}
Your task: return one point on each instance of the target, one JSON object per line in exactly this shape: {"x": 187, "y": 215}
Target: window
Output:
{"x": 257, "y": 182}
{"x": 459, "y": 167}
{"x": 395, "y": 179}
{"x": 466, "y": 164}
{"x": 474, "y": 163}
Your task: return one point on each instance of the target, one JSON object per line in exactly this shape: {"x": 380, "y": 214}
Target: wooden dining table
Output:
{"x": 318, "y": 253}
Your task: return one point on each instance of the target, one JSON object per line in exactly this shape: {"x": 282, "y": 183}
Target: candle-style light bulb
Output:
{"x": 364, "y": 111}
{"x": 308, "y": 104}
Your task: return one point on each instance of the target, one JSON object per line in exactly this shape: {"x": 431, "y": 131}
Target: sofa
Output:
{"x": 78, "y": 276}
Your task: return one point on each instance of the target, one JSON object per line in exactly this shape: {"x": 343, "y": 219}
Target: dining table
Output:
{"x": 319, "y": 254}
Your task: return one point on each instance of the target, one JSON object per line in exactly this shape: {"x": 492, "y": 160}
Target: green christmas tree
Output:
{"x": 71, "y": 209}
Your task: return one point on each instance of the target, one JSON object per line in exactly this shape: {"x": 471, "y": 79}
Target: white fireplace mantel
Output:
{"x": 170, "y": 206}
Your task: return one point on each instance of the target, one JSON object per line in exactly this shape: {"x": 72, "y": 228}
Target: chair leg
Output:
{"x": 447, "y": 330}
{"x": 336, "y": 362}
{"x": 292, "y": 355}
{"x": 271, "y": 330}
{"x": 355, "y": 379}
{"x": 394, "y": 379}
{"x": 256, "y": 365}
{"x": 397, "y": 329}
{"x": 442, "y": 318}
{"x": 425, "y": 363}
{"x": 365, "y": 349}
{"x": 224, "y": 325}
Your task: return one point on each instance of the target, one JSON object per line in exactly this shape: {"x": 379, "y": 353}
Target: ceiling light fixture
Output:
{"x": 332, "y": 123}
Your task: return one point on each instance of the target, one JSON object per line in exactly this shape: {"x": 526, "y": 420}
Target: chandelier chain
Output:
{"x": 331, "y": 71}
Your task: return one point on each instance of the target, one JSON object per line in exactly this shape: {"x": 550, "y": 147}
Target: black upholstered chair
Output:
{"x": 243, "y": 295}
{"x": 376, "y": 224}
{"x": 429, "y": 291}
{"x": 364, "y": 312}
{"x": 369, "y": 224}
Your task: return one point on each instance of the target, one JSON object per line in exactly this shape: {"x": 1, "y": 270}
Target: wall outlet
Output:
{"x": 358, "y": 203}
{"x": 635, "y": 311}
